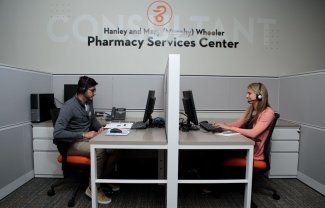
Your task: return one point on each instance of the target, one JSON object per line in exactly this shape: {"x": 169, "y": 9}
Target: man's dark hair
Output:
{"x": 85, "y": 83}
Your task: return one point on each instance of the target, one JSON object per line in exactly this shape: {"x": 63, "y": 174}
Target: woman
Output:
{"x": 255, "y": 122}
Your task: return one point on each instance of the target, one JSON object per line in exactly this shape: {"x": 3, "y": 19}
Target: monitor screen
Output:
{"x": 190, "y": 111}
{"x": 149, "y": 107}
{"x": 69, "y": 91}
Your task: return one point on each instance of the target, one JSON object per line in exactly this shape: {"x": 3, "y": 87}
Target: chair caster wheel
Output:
{"x": 276, "y": 196}
{"x": 51, "y": 192}
{"x": 71, "y": 203}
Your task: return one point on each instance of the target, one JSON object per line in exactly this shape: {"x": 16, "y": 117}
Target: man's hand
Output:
{"x": 90, "y": 134}
{"x": 100, "y": 130}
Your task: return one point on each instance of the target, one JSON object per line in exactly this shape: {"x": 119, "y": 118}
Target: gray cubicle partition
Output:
{"x": 216, "y": 93}
{"x": 16, "y": 147}
{"x": 128, "y": 91}
{"x": 226, "y": 93}
{"x": 16, "y": 87}
{"x": 302, "y": 100}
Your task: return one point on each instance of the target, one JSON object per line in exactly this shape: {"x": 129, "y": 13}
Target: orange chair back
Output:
{"x": 258, "y": 164}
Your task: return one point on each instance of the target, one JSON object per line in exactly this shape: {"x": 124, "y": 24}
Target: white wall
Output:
{"x": 275, "y": 37}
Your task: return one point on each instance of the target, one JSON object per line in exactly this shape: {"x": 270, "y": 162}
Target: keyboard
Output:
{"x": 208, "y": 127}
{"x": 139, "y": 125}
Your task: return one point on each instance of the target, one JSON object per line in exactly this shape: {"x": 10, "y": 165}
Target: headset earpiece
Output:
{"x": 84, "y": 87}
{"x": 259, "y": 96}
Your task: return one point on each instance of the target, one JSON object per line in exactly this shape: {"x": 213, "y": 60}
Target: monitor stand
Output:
{"x": 189, "y": 127}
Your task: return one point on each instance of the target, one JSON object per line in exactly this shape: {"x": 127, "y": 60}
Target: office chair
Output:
{"x": 261, "y": 167}
{"x": 75, "y": 166}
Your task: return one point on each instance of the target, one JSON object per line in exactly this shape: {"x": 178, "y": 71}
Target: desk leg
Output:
{"x": 249, "y": 176}
{"x": 161, "y": 164}
{"x": 172, "y": 179}
{"x": 93, "y": 176}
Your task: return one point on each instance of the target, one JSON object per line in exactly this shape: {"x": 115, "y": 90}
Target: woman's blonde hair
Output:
{"x": 259, "y": 89}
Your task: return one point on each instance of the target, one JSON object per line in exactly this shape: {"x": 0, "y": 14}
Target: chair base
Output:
{"x": 253, "y": 205}
{"x": 71, "y": 202}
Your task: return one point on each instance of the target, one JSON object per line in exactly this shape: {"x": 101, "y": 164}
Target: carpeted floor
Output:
{"x": 293, "y": 193}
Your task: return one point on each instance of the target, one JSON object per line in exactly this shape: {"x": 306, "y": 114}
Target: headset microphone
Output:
{"x": 250, "y": 101}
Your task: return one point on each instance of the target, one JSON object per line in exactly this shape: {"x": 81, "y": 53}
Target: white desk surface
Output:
{"x": 209, "y": 138}
{"x": 286, "y": 124}
{"x": 279, "y": 123}
{"x": 43, "y": 124}
{"x": 149, "y": 136}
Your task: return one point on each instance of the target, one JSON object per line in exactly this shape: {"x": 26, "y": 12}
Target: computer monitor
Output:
{"x": 149, "y": 107}
{"x": 190, "y": 111}
{"x": 69, "y": 91}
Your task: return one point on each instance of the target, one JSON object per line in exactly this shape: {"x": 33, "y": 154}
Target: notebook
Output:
{"x": 118, "y": 125}
{"x": 228, "y": 133}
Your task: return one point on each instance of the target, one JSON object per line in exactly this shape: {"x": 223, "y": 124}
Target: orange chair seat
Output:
{"x": 82, "y": 160}
{"x": 241, "y": 162}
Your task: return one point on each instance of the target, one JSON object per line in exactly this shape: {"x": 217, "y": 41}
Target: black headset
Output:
{"x": 259, "y": 96}
{"x": 84, "y": 87}
{"x": 158, "y": 122}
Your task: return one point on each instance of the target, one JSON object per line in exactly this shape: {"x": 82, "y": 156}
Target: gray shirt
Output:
{"x": 74, "y": 119}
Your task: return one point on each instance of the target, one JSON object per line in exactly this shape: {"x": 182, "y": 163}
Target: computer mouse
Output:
{"x": 116, "y": 130}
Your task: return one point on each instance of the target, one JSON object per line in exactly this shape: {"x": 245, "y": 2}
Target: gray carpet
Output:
{"x": 293, "y": 194}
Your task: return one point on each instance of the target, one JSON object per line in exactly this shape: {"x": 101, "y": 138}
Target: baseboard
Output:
{"x": 282, "y": 176}
{"x": 48, "y": 176}
{"x": 311, "y": 182}
{"x": 16, "y": 184}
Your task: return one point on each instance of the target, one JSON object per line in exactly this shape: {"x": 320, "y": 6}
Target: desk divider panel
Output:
{"x": 171, "y": 90}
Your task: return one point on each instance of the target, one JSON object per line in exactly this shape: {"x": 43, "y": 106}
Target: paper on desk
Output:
{"x": 228, "y": 133}
{"x": 118, "y": 125}
{"x": 123, "y": 133}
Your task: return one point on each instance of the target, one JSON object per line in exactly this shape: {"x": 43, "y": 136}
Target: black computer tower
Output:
{"x": 69, "y": 91}
{"x": 40, "y": 106}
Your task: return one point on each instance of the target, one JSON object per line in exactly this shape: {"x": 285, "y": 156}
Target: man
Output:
{"x": 77, "y": 121}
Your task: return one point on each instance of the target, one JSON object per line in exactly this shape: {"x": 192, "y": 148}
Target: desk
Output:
{"x": 156, "y": 139}
{"x": 201, "y": 140}
{"x": 151, "y": 138}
